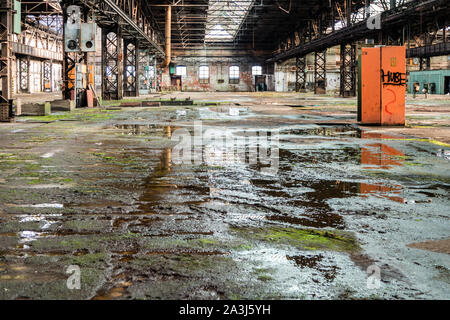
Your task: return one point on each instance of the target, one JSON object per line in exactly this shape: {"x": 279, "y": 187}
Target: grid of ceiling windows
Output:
{"x": 234, "y": 75}
{"x": 203, "y": 74}
{"x": 256, "y": 70}
{"x": 224, "y": 18}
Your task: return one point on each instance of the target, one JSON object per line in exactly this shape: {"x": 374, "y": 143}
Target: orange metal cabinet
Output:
{"x": 383, "y": 85}
{"x": 370, "y": 86}
{"x": 393, "y": 85}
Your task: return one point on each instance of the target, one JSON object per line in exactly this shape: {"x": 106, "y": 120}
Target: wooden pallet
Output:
{"x": 4, "y": 112}
{"x": 5, "y": 115}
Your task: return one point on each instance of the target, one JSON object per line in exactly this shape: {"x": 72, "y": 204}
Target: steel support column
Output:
{"x": 47, "y": 75}
{"x": 348, "y": 70}
{"x": 320, "y": 72}
{"x": 131, "y": 70}
{"x": 156, "y": 76}
{"x": 6, "y": 111}
{"x": 69, "y": 61}
{"x": 424, "y": 63}
{"x": 23, "y": 65}
{"x": 69, "y": 75}
{"x": 112, "y": 64}
{"x": 120, "y": 73}
{"x": 300, "y": 73}
{"x": 348, "y": 12}
{"x": 144, "y": 80}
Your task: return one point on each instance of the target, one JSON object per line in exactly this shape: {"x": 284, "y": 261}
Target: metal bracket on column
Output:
{"x": 348, "y": 70}
{"x": 300, "y": 73}
{"x": 320, "y": 71}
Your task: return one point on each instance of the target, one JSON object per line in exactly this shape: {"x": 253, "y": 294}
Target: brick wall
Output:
{"x": 219, "y": 62}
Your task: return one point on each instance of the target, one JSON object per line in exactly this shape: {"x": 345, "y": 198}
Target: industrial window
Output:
{"x": 181, "y": 71}
{"x": 256, "y": 70}
{"x": 234, "y": 74}
{"x": 203, "y": 74}
{"x": 151, "y": 72}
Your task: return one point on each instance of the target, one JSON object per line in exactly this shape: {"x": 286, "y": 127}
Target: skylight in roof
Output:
{"x": 219, "y": 33}
{"x": 225, "y": 18}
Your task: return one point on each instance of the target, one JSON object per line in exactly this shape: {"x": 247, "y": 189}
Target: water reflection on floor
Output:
{"x": 274, "y": 212}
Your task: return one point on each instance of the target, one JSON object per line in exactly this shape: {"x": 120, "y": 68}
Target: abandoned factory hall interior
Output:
{"x": 224, "y": 150}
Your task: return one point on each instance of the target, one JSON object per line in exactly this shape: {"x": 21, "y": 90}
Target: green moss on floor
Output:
{"x": 264, "y": 278}
{"x": 263, "y": 274}
{"x": 89, "y": 260}
{"x": 185, "y": 264}
{"x": 307, "y": 239}
{"x": 37, "y": 139}
{"x": 436, "y": 142}
{"x": 413, "y": 164}
{"x": 86, "y": 225}
{"x": 6, "y": 155}
{"x": 16, "y": 226}
{"x": 91, "y": 114}
{"x": 200, "y": 244}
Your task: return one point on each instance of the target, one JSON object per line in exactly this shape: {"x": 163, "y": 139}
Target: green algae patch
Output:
{"x": 440, "y": 143}
{"x": 263, "y": 274}
{"x": 207, "y": 242}
{"x": 93, "y": 114}
{"x": 413, "y": 164}
{"x": 49, "y": 118}
{"x": 436, "y": 142}
{"x": 264, "y": 278}
{"x": 197, "y": 244}
{"x": 86, "y": 225}
{"x": 185, "y": 264}
{"x": 421, "y": 127}
{"x": 307, "y": 239}
{"x": 6, "y": 155}
{"x": 37, "y": 139}
{"x": 68, "y": 243}
{"x": 89, "y": 260}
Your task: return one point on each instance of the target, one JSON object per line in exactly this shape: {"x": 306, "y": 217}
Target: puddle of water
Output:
{"x": 144, "y": 128}
{"x": 42, "y": 205}
{"x": 308, "y": 200}
{"x": 50, "y": 154}
{"x": 291, "y": 198}
{"x": 97, "y": 204}
{"x": 324, "y": 131}
{"x": 381, "y": 156}
{"x": 29, "y": 236}
{"x": 110, "y": 294}
{"x": 444, "y": 154}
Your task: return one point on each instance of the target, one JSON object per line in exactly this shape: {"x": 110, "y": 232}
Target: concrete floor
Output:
{"x": 102, "y": 190}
